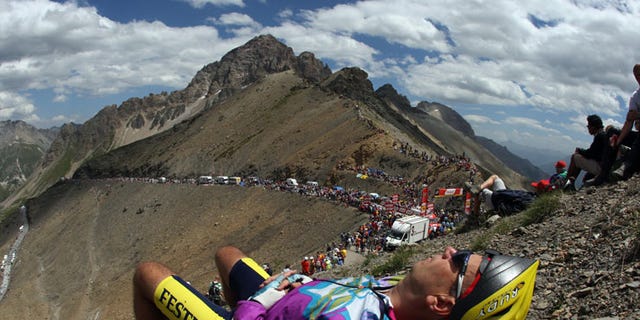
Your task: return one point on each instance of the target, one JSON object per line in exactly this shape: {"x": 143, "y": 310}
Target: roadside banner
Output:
{"x": 449, "y": 192}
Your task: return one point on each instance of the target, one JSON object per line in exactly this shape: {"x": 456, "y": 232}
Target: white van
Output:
{"x": 408, "y": 230}
{"x": 205, "y": 180}
{"x": 312, "y": 183}
{"x": 234, "y": 180}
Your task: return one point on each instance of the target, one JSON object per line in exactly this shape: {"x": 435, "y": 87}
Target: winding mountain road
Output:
{"x": 13, "y": 252}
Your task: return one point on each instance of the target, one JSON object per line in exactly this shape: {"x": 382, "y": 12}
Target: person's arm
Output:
{"x": 632, "y": 115}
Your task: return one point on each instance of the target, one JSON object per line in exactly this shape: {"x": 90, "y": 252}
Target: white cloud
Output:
{"x": 493, "y": 53}
{"x": 401, "y": 22}
{"x": 344, "y": 50}
{"x": 62, "y": 119}
{"x": 14, "y": 106}
{"x": 239, "y": 24}
{"x": 60, "y": 98}
{"x": 529, "y": 123}
{"x": 285, "y": 14}
{"x": 236, "y": 19}
{"x": 72, "y": 49}
{"x": 480, "y": 119}
{"x": 201, "y": 3}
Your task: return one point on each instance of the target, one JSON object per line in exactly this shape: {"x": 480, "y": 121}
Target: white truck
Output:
{"x": 408, "y": 230}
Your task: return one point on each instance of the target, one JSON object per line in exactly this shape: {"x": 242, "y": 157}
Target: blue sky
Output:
{"x": 523, "y": 73}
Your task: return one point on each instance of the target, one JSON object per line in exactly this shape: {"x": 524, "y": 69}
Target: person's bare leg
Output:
{"x": 487, "y": 184}
{"x": 226, "y": 257}
{"x": 145, "y": 281}
{"x": 573, "y": 171}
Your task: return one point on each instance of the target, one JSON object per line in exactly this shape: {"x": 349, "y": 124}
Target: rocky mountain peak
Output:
{"x": 18, "y": 131}
{"x": 447, "y": 115}
{"x": 350, "y": 82}
{"x": 388, "y": 93}
{"x": 246, "y": 64}
{"x": 311, "y": 68}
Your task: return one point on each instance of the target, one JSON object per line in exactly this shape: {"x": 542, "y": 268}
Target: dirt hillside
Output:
{"x": 101, "y": 230}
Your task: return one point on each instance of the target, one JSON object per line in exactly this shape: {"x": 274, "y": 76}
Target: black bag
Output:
{"x": 509, "y": 201}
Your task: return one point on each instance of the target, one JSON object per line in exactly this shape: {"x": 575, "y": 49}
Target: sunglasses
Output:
{"x": 461, "y": 261}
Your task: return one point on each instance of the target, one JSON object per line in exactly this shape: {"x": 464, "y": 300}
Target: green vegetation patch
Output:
{"x": 544, "y": 206}
{"x": 398, "y": 262}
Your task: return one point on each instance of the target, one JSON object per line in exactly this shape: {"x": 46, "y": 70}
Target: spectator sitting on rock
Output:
{"x": 589, "y": 160}
{"x": 496, "y": 197}
{"x": 555, "y": 182}
{"x": 613, "y": 151}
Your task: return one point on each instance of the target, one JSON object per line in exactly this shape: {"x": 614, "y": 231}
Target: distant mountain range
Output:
{"x": 22, "y": 147}
{"x": 543, "y": 159}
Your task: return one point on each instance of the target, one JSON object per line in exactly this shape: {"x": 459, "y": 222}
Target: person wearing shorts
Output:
{"x": 488, "y": 187}
{"x": 176, "y": 299}
{"x": 484, "y": 191}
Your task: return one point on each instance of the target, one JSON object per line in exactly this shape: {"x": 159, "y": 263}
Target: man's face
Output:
{"x": 438, "y": 274}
